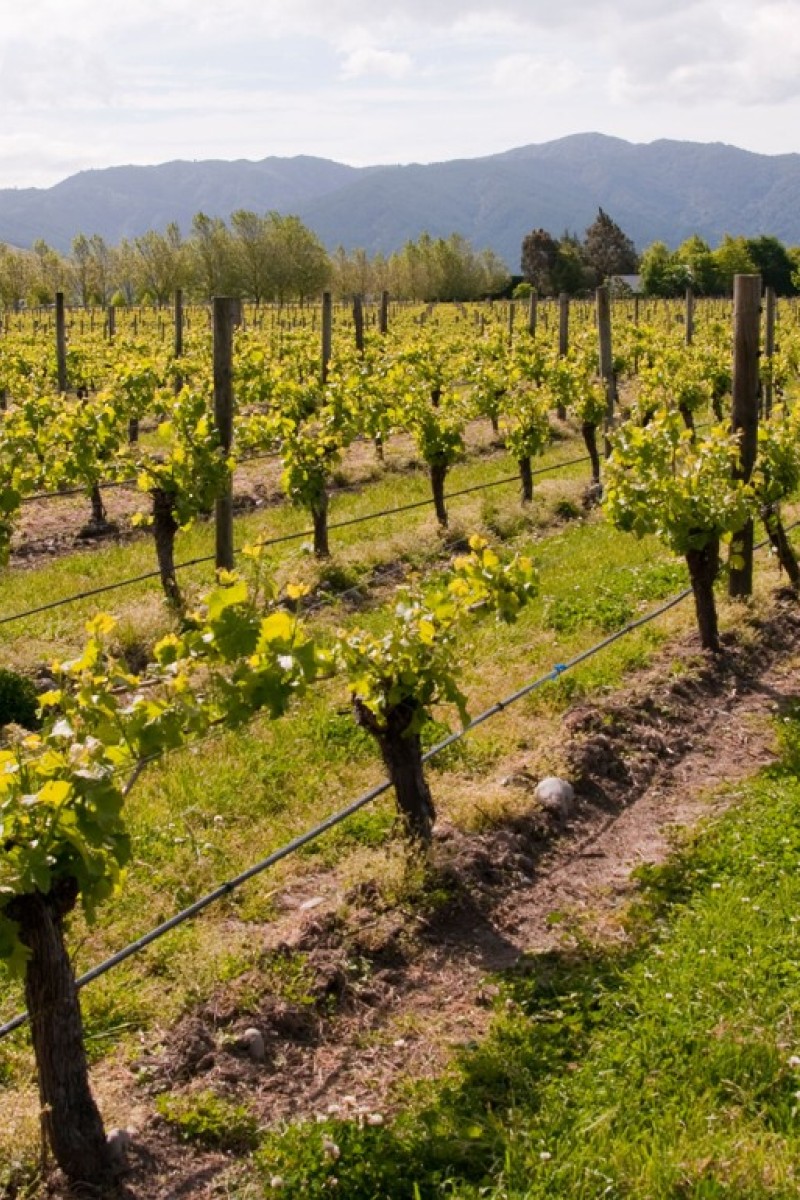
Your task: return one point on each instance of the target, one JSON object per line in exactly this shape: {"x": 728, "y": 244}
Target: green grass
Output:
{"x": 664, "y": 1067}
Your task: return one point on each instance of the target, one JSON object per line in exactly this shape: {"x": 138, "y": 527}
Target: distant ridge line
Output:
{"x": 663, "y": 190}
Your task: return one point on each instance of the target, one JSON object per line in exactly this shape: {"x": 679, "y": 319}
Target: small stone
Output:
{"x": 119, "y": 1143}
{"x": 252, "y": 1041}
{"x": 556, "y": 796}
{"x": 375, "y": 1119}
{"x": 314, "y": 902}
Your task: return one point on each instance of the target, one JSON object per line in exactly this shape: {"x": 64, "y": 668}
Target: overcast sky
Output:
{"x": 95, "y": 83}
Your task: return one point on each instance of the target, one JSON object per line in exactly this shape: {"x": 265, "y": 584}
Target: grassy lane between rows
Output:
{"x": 28, "y": 642}
{"x": 663, "y": 1067}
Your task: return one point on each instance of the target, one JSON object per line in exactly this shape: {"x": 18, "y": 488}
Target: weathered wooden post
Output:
{"x": 532, "y": 313}
{"x": 769, "y": 348}
{"x": 224, "y": 312}
{"x": 178, "y": 309}
{"x": 689, "y": 318}
{"x": 61, "y": 343}
{"x": 327, "y": 333}
{"x": 744, "y": 418}
{"x": 606, "y": 359}
{"x": 563, "y": 340}
{"x": 358, "y": 322}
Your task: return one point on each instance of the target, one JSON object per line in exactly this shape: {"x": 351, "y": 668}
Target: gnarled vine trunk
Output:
{"x": 71, "y": 1122}
{"x": 703, "y": 568}
{"x": 438, "y": 475}
{"x": 589, "y": 431}
{"x": 780, "y": 543}
{"x": 98, "y": 507}
{"x": 164, "y": 529}
{"x": 740, "y": 578}
{"x": 319, "y": 517}
{"x": 526, "y": 479}
{"x": 402, "y": 756}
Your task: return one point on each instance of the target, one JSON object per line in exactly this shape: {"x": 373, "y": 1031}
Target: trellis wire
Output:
{"x": 275, "y": 541}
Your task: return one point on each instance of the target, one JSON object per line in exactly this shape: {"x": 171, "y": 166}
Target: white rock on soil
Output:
{"x": 556, "y": 796}
{"x": 119, "y": 1143}
{"x": 253, "y": 1042}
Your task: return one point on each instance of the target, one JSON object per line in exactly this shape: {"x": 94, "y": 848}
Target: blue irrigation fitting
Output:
{"x": 559, "y": 669}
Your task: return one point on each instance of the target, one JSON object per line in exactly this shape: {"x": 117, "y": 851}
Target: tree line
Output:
{"x": 262, "y": 258}
{"x": 575, "y": 266}
{"x": 270, "y": 258}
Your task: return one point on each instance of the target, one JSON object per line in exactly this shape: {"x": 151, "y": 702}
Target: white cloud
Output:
{"x": 369, "y": 60}
{"x": 89, "y": 83}
{"x": 737, "y": 54}
{"x": 532, "y": 75}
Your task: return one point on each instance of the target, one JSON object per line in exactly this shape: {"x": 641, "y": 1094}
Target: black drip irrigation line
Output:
{"x": 282, "y": 538}
{"x": 231, "y": 885}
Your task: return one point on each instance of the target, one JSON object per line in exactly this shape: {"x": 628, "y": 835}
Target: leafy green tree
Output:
{"x": 662, "y": 272}
{"x": 125, "y": 272}
{"x": 445, "y": 269}
{"x": 162, "y": 263}
{"x": 102, "y": 268}
{"x": 212, "y": 257}
{"x": 410, "y": 270}
{"x": 794, "y": 258}
{"x": 701, "y": 267}
{"x": 81, "y": 259}
{"x": 16, "y": 275}
{"x": 52, "y": 273}
{"x": 732, "y": 257}
{"x": 300, "y": 264}
{"x": 773, "y": 262}
{"x": 538, "y": 262}
{"x": 607, "y": 250}
{"x": 571, "y": 273}
{"x": 353, "y": 274}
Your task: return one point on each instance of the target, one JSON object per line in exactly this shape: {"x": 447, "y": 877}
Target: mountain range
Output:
{"x": 663, "y": 190}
